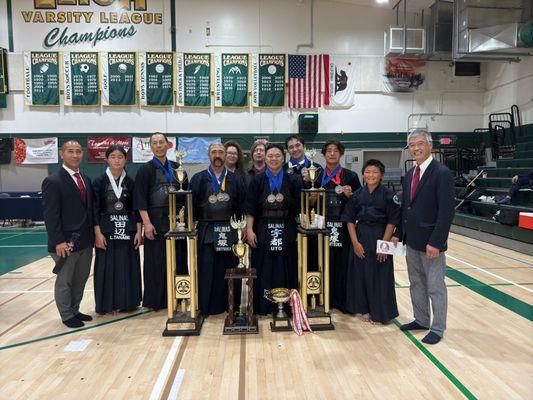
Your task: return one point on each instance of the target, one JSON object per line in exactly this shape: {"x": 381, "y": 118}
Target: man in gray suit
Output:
{"x": 427, "y": 214}
{"x": 68, "y": 216}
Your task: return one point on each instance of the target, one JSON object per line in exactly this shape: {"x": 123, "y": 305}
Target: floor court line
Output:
{"x": 495, "y": 253}
{"x": 23, "y": 245}
{"x": 159, "y": 385}
{"x": 489, "y": 273}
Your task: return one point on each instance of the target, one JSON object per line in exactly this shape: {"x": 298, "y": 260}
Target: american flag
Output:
{"x": 308, "y": 81}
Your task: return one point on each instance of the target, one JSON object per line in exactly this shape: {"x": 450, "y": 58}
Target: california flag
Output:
{"x": 341, "y": 81}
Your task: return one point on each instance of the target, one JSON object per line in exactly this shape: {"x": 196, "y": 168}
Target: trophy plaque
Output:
{"x": 281, "y": 322}
{"x": 184, "y": 318}
{"x": 236, "y": 324}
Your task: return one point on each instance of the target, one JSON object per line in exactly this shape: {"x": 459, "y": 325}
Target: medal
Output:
{"x": 305, "y": 171}
{"x": 271, "y": 198}
{"x": 339, "y": 189}
{"x": 221, "y": 196}
{"x": 119, "y": 206}
{"x": 212, "y": 199}
{"x": 279, "y": 197}
{"x": 226, "y": 197}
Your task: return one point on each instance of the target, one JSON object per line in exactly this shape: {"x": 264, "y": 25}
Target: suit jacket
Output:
{"x": 64, "y": 210}
{"x": 428, "y": 217}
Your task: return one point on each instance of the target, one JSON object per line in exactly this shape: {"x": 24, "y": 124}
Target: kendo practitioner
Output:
{"x": 298, "y": 163}
{"x": 272, "y": 204}
{"x": 218, "y": 195}
{"x": 371, "y": 215}
{"x": 340, "y": 183}
{"x": 151, "y": 201}
{"x": 118, "y": 234}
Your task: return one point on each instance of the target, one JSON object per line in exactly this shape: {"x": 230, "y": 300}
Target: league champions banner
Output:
{"x": 81, "y": 79}
{"x": 231, "y": 80}
{"x": 268, "y": 75}
{"x": 119, "y": 70}
{"x": 97, "y": 146}
{"x": 41, "y": 78}
{"x": 156, "y": 87}
{"x": 36, "y": 151}
{"x": 196, "y": 148}
{"x": 141, "y": 151}
{"x": 194, "y": 80}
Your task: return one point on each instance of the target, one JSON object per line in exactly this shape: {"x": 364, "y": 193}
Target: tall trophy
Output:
{"x": 314, "y": 285}
{"x": 281, "y": 322}
{"x": 236, "y": 324}
{"x": 184, "y": 318}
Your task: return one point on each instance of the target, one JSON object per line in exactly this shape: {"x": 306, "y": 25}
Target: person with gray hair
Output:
{"x": 427, "y": 214}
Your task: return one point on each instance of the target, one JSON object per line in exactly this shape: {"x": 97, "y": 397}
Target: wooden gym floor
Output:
{"x": 487, "y": 352}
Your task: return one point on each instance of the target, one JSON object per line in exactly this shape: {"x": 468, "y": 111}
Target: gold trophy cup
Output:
{"x": 278, "y": 296}
{"x": 239, "y": 248}
{"x": 180, "y": 172}
{"x": 312, "y": 170}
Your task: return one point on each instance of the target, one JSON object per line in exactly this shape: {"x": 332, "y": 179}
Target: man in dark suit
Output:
{"x": 427, "y": 214}
{"x": 68, "y": 210}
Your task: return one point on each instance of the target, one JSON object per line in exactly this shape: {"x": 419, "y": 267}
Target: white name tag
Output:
{"x": 389, "y": 248}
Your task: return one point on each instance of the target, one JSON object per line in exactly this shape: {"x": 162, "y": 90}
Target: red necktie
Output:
{"x": 414, "y": 182}
{"x": 81, "y": 186}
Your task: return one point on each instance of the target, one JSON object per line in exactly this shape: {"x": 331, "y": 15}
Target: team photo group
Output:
{"x": 114, "y": 215}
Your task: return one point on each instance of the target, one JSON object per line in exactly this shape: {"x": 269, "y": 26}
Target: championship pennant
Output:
{"x": 231, "y": 80}
{"x": 41, "y": 78}
{"x": 268, "y": 74}
{"x": 119, "y": 79}
{"x": 81, "y": 75}
{"x": 194, "y": 80}
{"x": 156, "y": 79}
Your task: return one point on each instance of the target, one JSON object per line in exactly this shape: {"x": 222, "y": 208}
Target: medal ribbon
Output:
{"x": 117, "y": 189}
{"x": 167, "y": 171}
{"x": 333, "y": 175}
{"x": 274, "y": 181}
{"x": 220, "y": 183}
{"x": 306, "y": 163}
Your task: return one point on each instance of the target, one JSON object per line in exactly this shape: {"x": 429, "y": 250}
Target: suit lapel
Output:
{"x": 408, "y": 180}
{"x": 425, "y": 177}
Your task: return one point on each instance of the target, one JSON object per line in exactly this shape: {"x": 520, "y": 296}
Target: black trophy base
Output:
{"x": 319, "y": 320}
{"x": 183, "y": 325}
{"x": 280, "y": 324}
{"x": 240, "y": 326}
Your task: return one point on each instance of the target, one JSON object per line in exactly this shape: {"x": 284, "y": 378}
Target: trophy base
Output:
{"x": 311, "y": 231}
{"x": 183, "y": 325}
{"x": 319, "y": 320}
{"x": 280, "y": 324}
{"x": 314, "y": 189}
{"x": 241, "y": 328}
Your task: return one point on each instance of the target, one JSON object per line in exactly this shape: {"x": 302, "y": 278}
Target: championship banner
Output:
{"x": 231, "y": 80}
{"x": 194, "y": 80}
{"x": 268, "y": 80}
{"x": 3, "y": 71}
{"x": 81, "y": 86}
{"x": 341, "y": 82}
{"x": 119, "y": 79}
{"x": 41, "y": 78}
{"x": 196, "y": 148}
{"x": 402, "y": 75}
{"x": 156, "y": 79}
{"x": 97, "y": 146}
{"x": 141, "y": 151}
{"x": 36, "y": 151}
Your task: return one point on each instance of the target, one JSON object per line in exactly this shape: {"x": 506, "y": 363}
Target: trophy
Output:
{"x": 239, "y": 249}
{"x": 312, "y": 170}
{"x": 279, "y": 296}
{"x": 180, "y": 225}
{"x": 180, "y": 172}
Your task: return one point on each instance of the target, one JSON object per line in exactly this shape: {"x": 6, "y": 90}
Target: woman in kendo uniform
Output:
{"x": 339, "y": 183}
{"x": 272, "y": 204}
{"x": 117, "y": 267}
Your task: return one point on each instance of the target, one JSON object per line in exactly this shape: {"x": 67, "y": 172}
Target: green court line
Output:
{"x": 398, "y": 286}
{"x": 503, "y": 299}
{"x": 85, "y": 328}
{"x": 451, "y": 377}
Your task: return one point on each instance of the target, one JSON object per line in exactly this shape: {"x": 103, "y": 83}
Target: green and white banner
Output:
{"x": 268, "y": 76}
{"x": 119, "y": 79}
{"x": 81, "y": 86}
{"x": 194, "y": 80}
{"x": 231, "y": 80}
{"x": 41, "y": 78}
{"x": 156, "y": 79}
{"x": 3, "y": 71}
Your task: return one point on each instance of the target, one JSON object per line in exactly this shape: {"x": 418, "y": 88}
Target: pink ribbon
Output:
{"x": 299, "y": 317}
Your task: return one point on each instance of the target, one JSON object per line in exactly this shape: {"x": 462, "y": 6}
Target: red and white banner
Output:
{"x": 97, "y": 146}
{"x": 36, "y": 151}
{"x": 142, "y": 152}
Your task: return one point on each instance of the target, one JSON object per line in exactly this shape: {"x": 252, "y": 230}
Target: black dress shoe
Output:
{"x": 413, "y": 326}
{"x": 431, "y": 338}
{"x": 84, "y": 317}
{"x": 73, "y": 322}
